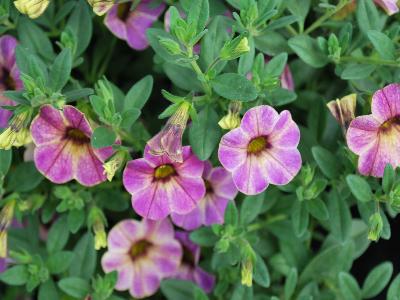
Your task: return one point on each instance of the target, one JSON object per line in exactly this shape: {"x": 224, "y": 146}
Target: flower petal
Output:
{"x": 214, "y": 209}
{"x": 89, "y": 169}
{"x": 48, "y": 126}
{"x": 203, "y": 279}
{"x": 259, "y": 121}
{"x": 362, "y": 133}
{"x": 77, "y": 119}
{"x": 138, "y": 175}
{"x": 232, "y": 150}
{"x": 222, "y": 183}
{"x": 114, "y": 24}
{"x": 286, "y": 133}
{"x": 184, "y": 193}
{"x": 8, "y": 44}
{"x": 190, "y": 221}
{"x": 191, "y": 166}
{"x": 123, "y": 235}
{"x": 386, "y": 102}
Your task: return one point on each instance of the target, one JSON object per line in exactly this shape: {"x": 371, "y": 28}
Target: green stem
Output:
{"x": 370, "y": 60}
{"x": 291, "y": 30}
{"x": 326, "y": 16}
{"x": 199, "y": 72}
{"x": 262, "y": 224}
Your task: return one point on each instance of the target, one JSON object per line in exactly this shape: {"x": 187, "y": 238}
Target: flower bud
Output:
{"x": 97, "y": 221}
{"x": 232, "y": 119}
{"x": 171, "y": 46}
{"x": 343, "y": 110}
{"x": 247, "y": 272}
{"x": 16, "y": 134}
{"x": 100, "y": 7}
{"x": 114, "y": 164}
{"x": 32, "y": 8}
{"x": 235, "y": 48}
{"x": 6, "y": 216}
{"x": 375, "y": 226}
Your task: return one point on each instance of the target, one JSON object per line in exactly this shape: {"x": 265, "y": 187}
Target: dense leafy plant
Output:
{"x": 280, "y": 188}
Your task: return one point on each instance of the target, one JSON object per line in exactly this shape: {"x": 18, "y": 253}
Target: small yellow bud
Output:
{"x": 100, "y": 236}
{"x": 32, "y": 8}
{"x": 247, "y": 273}
{"x": 6, "y": 215}
{"x": 100, "y": 7}
{"x": 16, "y": 134}
{"x": 235, "y": 48}
{"x": 232, "y": 119}
{"x": 113, "y": 164}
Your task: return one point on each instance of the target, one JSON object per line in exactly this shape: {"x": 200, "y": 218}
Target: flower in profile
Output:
{"x": 232, "y": 119}
{"x": 160, "y": 186}
{"x": 262, "y": 150}
{"x": 219, "y": 190}
{"x": 32, "y": 8}
{"x": 343, "y": 110}
{"x": 17, "y": 133}
{"x": 9, "y": 75}
{"x": 189, "y": 269}
{"x": 100, "y": 7}
{"x": 143, "y": 253}
{"x": 131, "y": 24}
{"x": 98, "y": 221}
{"x": 376, "y": 137}
{"x": 169, "y": 140}
{"x": 390, "y": 6}
{"x": 6, "y": 216}
{"x": 63, "y": 151}
{"x": 114, "y": 164}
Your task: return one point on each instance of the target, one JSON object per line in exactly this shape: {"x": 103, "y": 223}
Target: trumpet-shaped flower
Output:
{"x": 9, "y": 75}
{"x": 131, "y": 24}
{"x": 343, "y": 110}
{"x": 262, "y": 150}
{"x": 160, "y": 186}
{"x": 63, "y": 151}
{"x": 390, "y": 6}
{"x": 142, "y": 253}
{"x": 32, "y": 8}
{"x": 376, "y": 137}
{"x": 189, "y": 269}
{"x": 219, "y": 190}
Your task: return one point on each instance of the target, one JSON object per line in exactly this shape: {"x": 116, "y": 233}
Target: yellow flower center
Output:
{"x": 257, "y": 145}
{"x": 77, "y": 136}
{"x": 139, "y": 249}
{"x": 392, "y": 121}
{"x": 164, "y": 171}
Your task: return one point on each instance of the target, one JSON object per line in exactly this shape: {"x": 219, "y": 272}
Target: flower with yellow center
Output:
{"x": 32, "y": 8}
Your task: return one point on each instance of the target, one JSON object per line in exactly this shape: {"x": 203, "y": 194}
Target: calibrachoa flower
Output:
{"x": 142, "y": 253}
{"x": 9, "y": 75}
{"x": 376, "y": 137}
{"x": 262, "y": 150}
{"x": 63, "y": 151}
{"x": 390, "y": 6}
{"x": 210, "y": 210}
{"x": 189, "y": 269}
{"x": 159, "y": 186}
{"x": 32, "y": 8}
{"x": 131, "y": 25}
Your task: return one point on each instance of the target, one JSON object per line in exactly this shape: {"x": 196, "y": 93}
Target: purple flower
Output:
{"x": 9, "y": 75}
{"x": 376, "y": 137}
{"x": 262, "y": 150}
{"x": 160, "y": 186}
{"x": 131, "y": 25}
{"x": 189, "y": 269}
{"x": 390, "y": 6}
{"x": 210, "y": 210}
{"x": 63, "y": 151}
{"x": 142, "y": 253}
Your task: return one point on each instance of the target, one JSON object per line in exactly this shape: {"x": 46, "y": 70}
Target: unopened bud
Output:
{"x": 232, "y": 119}
{"x": 97, "y": 221}
{"x": 32, "y": 8}
{"x": 235, "y": 48}
{"x": 343, "y": 110}
{"x": 6, "y": 216}
{"x": 100, "y": 7}
{"x": 375, "y": 226}
{"x": 114, "y": 164}
{"x": 171, "y": 46}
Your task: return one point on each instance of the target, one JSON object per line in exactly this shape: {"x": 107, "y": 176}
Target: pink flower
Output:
{"x": 189, "y": 269}
{"x": 160, "y": 186}
{"x": 131, "y": 25}
{"x": 219, "y": 190}
{"x": 63, "y": 151}
{"x": 262, "y": 150}
{"x": 390, "y": 6}
{"x": 376, "y": 137}
{"x": 9, "y": 75}
{"x": 142, "y": 253}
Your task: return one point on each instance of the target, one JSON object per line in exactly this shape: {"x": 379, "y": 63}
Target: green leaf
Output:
{"x": 17, "y": 275}
{"x": 233, "y": 86}
{"x": 276, "y": 65}
{"x": 182, "y": 77}
{"x": 377, "y": 279}
{"x": 129, "y": 117}
{"x": 307, "y": 49}
{"x": 204, "y": 134}
{"x": 153, "y": 36}
{"x": 280, "y": 96}
{"x": 394, "y": 289}
{"x": 75, "y": 287}
{"x": 175, "y": 289}
{"x": 357, "y": 71}
{"x": 326, "y": 161}
{"x": 231, "y": 216}
{"x": 389, "y": 176}
{"x": 251, "y": 208}
{"x": 78, "y": 94}
{"x": 349, "y": 286}
{"x": 383, "y": 44}
{"x": 5, "y": 161}
{"x": 261, "y": 273}
{"x": 60, "y": 70}
{"x": 48, "y": 290}
{"x": 339, "y": 216}
{"x": 271, "y": 43}
{"x": 59, "y": 262}
{"x": 359, "y": 188}
{"x": 24, "y": 178}
{"x": 204, "y": 236}
{"x": 290, "y": 283}
{"x": 367, "y": 16}
{"x": 300, "y": 218}
{"x": 84, "y": 257}
{"x": 139, "y": 93}
{"x": 58, "y": 235}
{"x": 80, "y": 23}
{"x": 317, "y": 209}
{"x": 76, "y": 217}
{"x": 198, "y": 15}
{"x": 103, "y": 137}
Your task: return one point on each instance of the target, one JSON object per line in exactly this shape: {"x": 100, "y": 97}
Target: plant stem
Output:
{"x": 326, "y": 16}
{"x": 199, "y": 72}
{"x": 370, "y": 60}
{"x": 262, "y": 224}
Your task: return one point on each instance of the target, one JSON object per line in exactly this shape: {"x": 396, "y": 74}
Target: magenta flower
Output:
{"x": 189, "y": 269}
{"x": 376, "y": 137}
{"x": 131, "y": 25}
{"x": 142, "y": 253}
{"x": 9, "y": 75}
{"x": 390, "y": 6}
{"x": 159, "y": 186}
{"x": 262, "y": 150}
{"x": 63, "y": 151}
{"x": 219, "y": 190}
